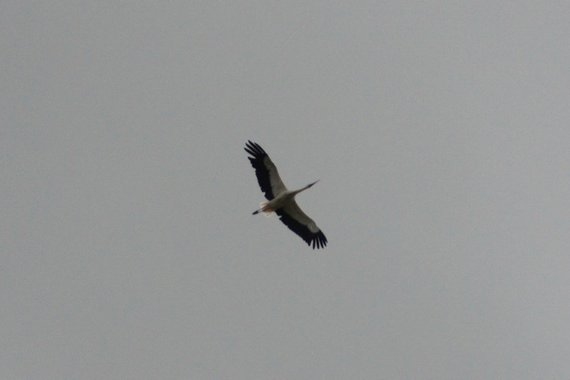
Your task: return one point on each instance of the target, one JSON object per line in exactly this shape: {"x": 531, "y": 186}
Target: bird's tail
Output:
{"x": 263, "y": 208}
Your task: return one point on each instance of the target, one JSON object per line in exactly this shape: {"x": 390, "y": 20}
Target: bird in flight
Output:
{"x": 280, "y": 200}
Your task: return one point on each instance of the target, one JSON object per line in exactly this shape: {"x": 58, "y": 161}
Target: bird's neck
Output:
{"x": 300, "y": 190}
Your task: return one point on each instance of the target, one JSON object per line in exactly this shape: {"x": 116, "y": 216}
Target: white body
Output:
{"x": 282, "y": 201}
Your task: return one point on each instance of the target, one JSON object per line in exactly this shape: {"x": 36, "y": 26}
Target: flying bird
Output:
{"x": 282, "y": 201}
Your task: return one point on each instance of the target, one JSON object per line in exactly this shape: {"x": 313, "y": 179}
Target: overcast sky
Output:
{"x": 440, "y": 132}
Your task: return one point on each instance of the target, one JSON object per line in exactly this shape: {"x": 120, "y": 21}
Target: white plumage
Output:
{"x": 282, "y": 201}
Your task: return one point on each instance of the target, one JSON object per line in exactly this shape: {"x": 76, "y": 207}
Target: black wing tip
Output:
{"x": 254, "y": 149}
{"x": 318, "y": 241}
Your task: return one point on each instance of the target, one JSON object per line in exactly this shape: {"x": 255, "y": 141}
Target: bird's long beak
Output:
{"x": 311, "y": 184}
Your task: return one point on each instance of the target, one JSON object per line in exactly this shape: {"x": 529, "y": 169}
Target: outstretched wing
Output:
{"x": 265, "y": 170}
{"x": 293, "y": 217}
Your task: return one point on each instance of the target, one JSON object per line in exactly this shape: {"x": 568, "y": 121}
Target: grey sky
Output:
{"x": 439, "y": 130}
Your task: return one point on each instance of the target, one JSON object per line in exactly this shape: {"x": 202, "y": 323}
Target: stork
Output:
{"x": 280, "y": 200}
